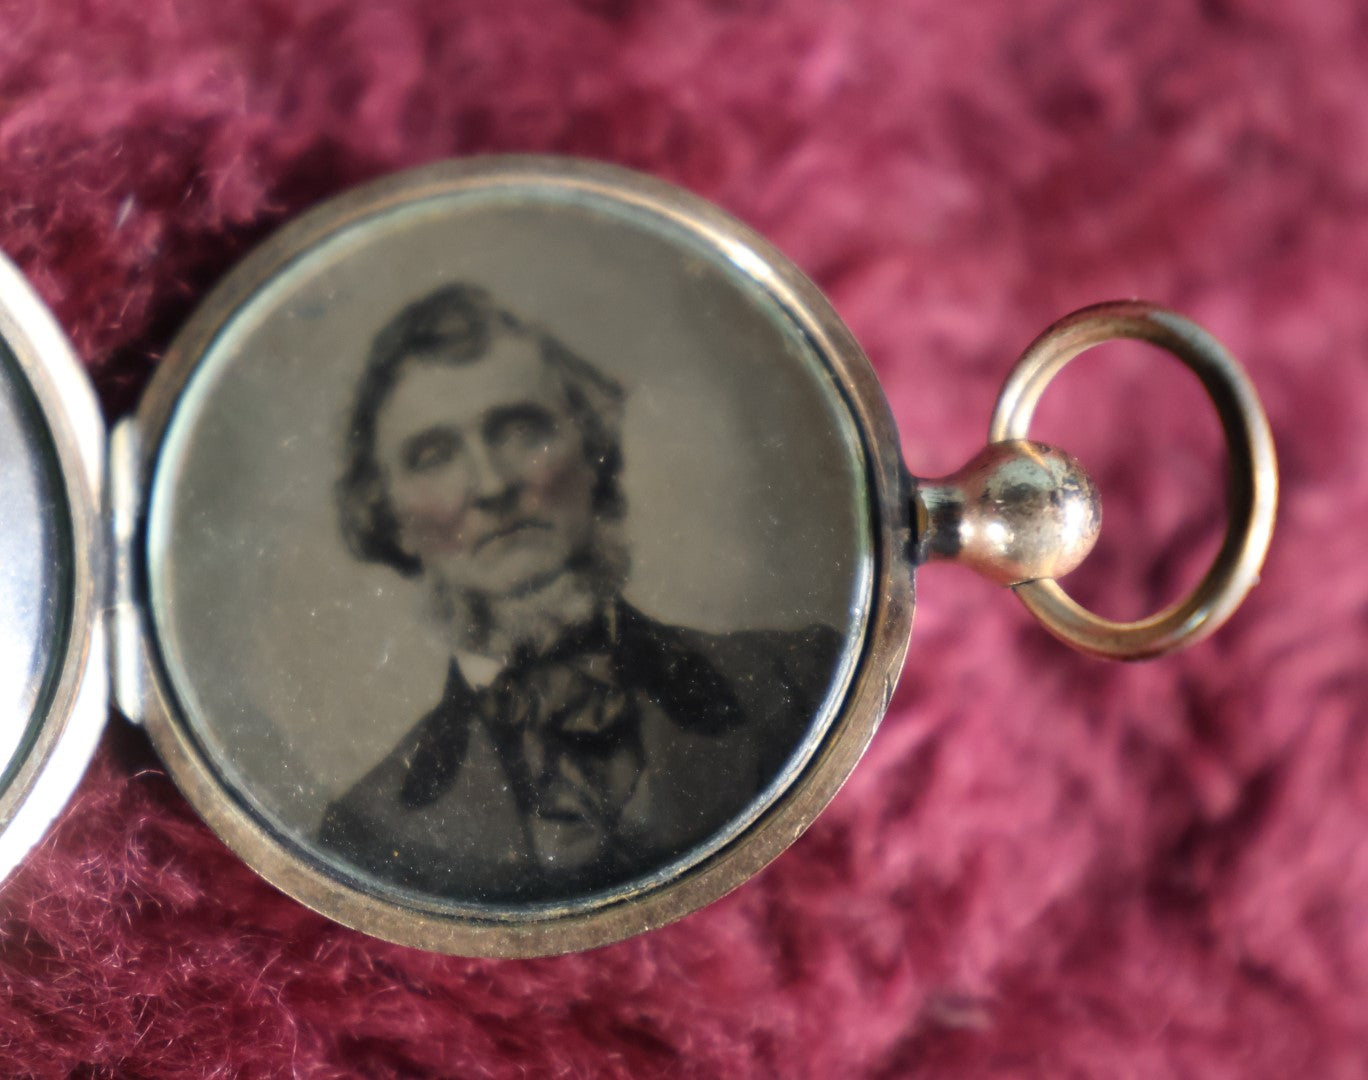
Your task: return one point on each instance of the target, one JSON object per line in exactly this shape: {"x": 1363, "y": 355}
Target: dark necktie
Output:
{"x": 567, "y": 729}
{"x": 569, "y": 735}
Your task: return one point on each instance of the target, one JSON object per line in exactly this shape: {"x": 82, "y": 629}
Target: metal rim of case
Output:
{"x": 76, "y": 711}
{"x": 550, "y": 931}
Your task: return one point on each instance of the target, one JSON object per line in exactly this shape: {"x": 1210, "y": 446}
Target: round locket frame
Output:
{"x": 551, "y": 928}
{"x": 50, "y": 764}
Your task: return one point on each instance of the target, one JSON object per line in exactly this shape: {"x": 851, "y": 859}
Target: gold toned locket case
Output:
{"x": 514, "y": 555}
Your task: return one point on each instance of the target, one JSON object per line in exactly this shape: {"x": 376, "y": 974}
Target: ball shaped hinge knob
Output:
{"x": 1018, "y": 511}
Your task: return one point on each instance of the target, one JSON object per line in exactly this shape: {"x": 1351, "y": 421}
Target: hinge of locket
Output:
{"x": 128, "y": 655}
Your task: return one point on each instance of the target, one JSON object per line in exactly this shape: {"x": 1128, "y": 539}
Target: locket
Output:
{"x": 516, "y": 554}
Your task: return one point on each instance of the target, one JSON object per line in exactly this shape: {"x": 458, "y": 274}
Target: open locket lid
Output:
{"x": 52, "y": 569}
{"x": 514, "y": 555}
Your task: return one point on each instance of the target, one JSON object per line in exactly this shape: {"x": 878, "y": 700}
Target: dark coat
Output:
{"x": 685, "y": 730}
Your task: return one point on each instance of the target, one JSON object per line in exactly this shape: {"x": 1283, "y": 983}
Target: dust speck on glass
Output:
{"x": 488, "y": 564}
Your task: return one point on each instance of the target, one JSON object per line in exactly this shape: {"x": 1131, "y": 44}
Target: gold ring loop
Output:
{"x": 1251, "y": 500}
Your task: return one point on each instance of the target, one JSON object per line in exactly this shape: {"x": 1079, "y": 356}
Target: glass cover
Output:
{"x": 509, "y": 548}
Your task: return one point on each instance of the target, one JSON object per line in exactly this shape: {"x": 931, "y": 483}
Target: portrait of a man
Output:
{"x": 579, "y": 742}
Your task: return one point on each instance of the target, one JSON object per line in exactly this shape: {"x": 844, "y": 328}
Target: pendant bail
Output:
{"x": 1018, "y": 511}
{"x": 979, "y": 518}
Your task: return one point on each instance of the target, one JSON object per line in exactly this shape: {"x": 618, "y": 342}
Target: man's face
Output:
{"x": 486, "y": 471}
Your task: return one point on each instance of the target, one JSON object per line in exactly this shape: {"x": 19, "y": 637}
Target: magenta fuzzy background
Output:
{"x": 1046, "y": 867}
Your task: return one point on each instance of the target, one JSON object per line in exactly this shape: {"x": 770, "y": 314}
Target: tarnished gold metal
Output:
{"x": 1017, "y": 512}
{"x": 1253, "y": 484}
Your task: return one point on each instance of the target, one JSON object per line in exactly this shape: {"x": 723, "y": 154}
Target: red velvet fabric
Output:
{"x": 1046, "y": 866}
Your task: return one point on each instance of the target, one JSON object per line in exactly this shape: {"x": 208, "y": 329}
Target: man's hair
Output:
{"x": 458, "y": 324}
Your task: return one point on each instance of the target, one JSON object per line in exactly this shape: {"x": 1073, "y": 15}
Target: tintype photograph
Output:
{"x": 524, "y": 545}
